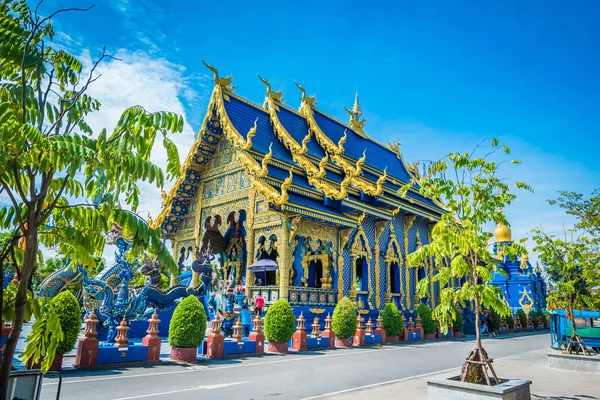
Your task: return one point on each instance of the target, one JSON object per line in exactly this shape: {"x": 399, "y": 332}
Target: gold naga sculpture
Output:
{"x": 271, "y": 194}
{"x": 311, "y": 101}
{"x": 275, "y": 95}
{"x": 225, "y": 83}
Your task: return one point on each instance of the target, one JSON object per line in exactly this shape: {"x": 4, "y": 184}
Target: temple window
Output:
{"x": 394, "y": 278}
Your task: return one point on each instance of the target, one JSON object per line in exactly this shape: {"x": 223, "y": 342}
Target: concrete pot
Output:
{"x": 343, "y": 343}
{"x": 453, "y": 388}
{"x": 277, "y": 348}
{"x": 575, "y": 362}
{"x": 184, "y": 354}
{"x": 429, "y": 336}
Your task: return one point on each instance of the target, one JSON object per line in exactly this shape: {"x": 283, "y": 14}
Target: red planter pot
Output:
{"x": 56, "y": 364}
{"x": 393, "y": 339}
{"x": 277, "y": 348}
{"x": 181, "y": 354}
{"x": 459, "y": 335}
{"x": 429, "y": 336}
{"x": 344, "y": 343}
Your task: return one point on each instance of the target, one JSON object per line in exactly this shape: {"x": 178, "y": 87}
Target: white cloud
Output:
{"x": 155, "y": 84}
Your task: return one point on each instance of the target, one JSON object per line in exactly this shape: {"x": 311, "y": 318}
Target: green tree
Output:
{"x": 66, "y": 183}
{"x": 587, "y": 211}
{"x": 572, "y": 265}
{"x": 473, "y": 197}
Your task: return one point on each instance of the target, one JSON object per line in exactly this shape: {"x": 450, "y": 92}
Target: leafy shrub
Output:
{"x": 392, "y": 320}
{"x": 544, "y": 318}
{"x": 188, "y": 324}
{"x": 427, "y": 322}
{"x": 522, "y": 318}
{"x": 458, "y": 323}
{"x": 67, "y": 308}
{"x": 496, "y": 320}
{"x": 280, "y": 322}
{"x": 344, "y": 319}
{"x": 510, "y": 321}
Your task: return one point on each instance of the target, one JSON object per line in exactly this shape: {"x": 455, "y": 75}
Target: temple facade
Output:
{"x": 523, "y": 287}
{"x": 301, "y": 191}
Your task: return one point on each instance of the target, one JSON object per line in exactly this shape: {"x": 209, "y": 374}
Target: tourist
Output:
{"x": 484, "y": 325}
{"x": 208, "y": 331}
{"x": 246, "y": 320}
{"x": 490, "y": 324}
{"x": 259, "y": 303}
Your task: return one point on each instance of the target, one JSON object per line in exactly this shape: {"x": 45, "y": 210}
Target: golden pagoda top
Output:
{"x": 502, "y": 233}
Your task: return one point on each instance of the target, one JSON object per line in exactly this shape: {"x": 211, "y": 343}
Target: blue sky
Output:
{"x": 437, "y": 76}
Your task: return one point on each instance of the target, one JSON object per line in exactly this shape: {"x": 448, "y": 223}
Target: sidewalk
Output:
{"x": 547, "y": 383}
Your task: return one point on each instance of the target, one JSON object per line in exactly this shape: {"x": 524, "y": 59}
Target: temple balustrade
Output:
{"x": 299, "y": 296}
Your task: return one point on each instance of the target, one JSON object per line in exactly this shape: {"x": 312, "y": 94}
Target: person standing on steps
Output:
{"x": 259, "y": 303}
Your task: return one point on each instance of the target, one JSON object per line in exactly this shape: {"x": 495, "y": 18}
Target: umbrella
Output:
{"x": 264, "y": 265}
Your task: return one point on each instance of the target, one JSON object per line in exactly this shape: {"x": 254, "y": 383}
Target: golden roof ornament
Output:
{"x": 356, "y": 123}
{"x": 275, "y": 95}
{"x": 225, "y": 83}
{"x": 538, "y": 269}
{"x": 502, "y": 233}
{"x": 311, "y": 101}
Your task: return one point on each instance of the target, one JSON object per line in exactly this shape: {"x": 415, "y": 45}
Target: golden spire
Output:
{"x": 538, "y": 269}
{"x": 502, "y": 233}
{"x": 356, "y": 108}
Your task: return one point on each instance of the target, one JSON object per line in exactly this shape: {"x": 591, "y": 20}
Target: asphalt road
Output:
{"x": 311, "y": 375}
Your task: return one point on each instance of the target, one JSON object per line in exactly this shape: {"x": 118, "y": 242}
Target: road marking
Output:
{"x": 242, "y": 365}
{"x": 408, "y": 378}
{"x": 321, "y": 396}
{"x": 205, "y": 387}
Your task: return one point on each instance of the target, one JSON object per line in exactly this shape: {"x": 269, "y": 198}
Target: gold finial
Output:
{"x": 340, "y": 145}
{"x": 356, "y": 123}
{"x": 538, "y": 269}
{"x": 356, "y": 108}
{"x": 502, "y": 233}
{"x": 225, "y": 83}
{"x": 264, "y": 170}
{"x": 311, "y": 101}
{"x": 275, "y": 95}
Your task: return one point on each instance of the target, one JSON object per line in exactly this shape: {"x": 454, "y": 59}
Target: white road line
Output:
{"x": 207, "y": 387}
{"x": 408, "y": 378}
{"x": 321, "y": 396}
{"x": 242, "y": 365}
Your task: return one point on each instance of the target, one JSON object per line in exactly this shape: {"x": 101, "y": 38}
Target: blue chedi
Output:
{"x": 524, "y": 287}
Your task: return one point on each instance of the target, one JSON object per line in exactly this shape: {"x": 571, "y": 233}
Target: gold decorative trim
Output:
{"x": 316, "y": 310}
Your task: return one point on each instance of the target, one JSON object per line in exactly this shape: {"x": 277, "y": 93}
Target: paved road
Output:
{"x": 294, "y": 376}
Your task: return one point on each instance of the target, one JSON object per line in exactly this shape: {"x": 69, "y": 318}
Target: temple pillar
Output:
{"x": 284, "y": 264}
{"x": 195, "y": 281}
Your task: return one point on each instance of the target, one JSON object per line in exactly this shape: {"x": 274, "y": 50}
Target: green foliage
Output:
{"x": 427, "y": 322}
{"x": 188, "y": 324}
{"x": 69, "y": 314}
{"x": 344, "y": 319}
{"x": 496, "y": 319}
{"x": 67, "y": 183}
{"x": 280, "y": 322}
{"x": 510, "y": 321}
{"x": 587, "y": 211}
{"x": 392, "y": 320}
{"x": 474, "y": 196}
{"x": 45, "y": 337}
{"x": 522, "y": 317}
{"x": 572, "y": 265}
{"x": 458, "y": 323}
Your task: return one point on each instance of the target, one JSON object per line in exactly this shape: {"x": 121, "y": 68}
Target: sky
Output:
{"x": 437, "y": 76}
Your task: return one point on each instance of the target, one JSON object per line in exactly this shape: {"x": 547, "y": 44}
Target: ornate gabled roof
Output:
{"x": 302, "y": 161}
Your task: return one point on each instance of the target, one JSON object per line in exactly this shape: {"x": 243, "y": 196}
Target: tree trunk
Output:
{"x": 20, "y": 304}
{"x": 477, "y": 318}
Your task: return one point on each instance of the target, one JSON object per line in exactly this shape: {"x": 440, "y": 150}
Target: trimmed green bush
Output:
{"x": 522, "y": 318}
{"x": 344, "y": 319}
{"x": 392, "y": 320}
{"x": 510, "y": 321}
{"x": 427, "y": 322}
{"x": 458, "y": 323}
{"x": 188, "y": 324}
{"x": 280, "y": 322}
{"x": 67, "y": 308}
{"x": 496, "y": 319}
